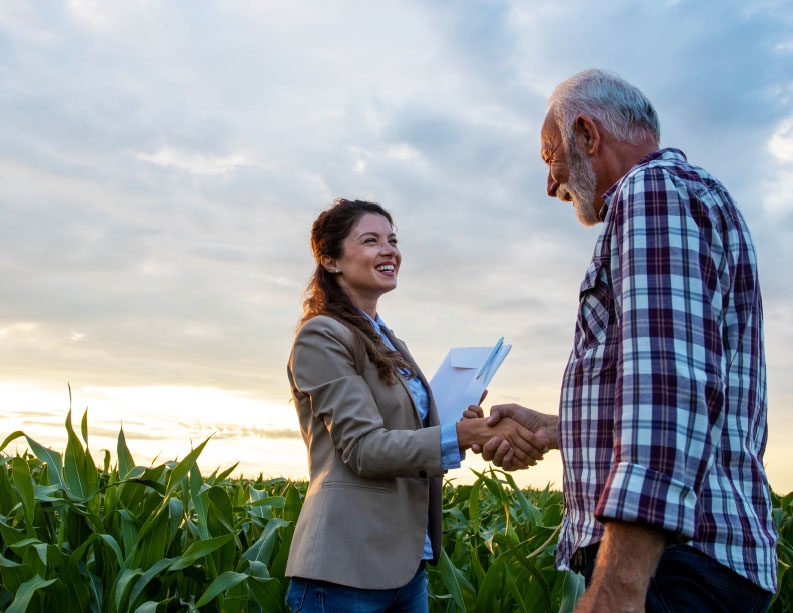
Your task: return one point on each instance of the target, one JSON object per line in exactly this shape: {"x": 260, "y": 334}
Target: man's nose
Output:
{"x": 551, "y": 186}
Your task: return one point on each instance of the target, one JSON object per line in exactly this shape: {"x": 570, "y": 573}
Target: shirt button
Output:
{"x": 423, "y": 474}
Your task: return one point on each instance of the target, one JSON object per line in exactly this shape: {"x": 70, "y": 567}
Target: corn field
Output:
{"x": 77, "y": 536}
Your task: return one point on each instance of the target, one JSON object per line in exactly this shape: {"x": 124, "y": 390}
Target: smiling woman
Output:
{"x": 369, "y": 263}
{"x": 377, "y": 453}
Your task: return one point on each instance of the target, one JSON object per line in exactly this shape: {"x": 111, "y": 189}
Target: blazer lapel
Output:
{"x": 402, "y": 348}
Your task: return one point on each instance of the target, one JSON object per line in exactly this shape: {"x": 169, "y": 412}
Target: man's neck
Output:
{"x": 613, "y": 162}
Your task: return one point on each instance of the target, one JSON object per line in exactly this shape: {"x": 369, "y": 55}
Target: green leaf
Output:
{"x": 473, "y": 499}
{"x": 13, "y": 574}
{"x": 125, "y": 461}
{"x": 198, "y": 501}
{"x": 531, "y": 512}
{"x": 268, "y": 594}
{"x": 26, "y": 591}
{"x": 224, "y": 582}
{"x": 221, "y": 514}
{"x": 451, "y": 579}
{"x": 292, "y": 504}
{"x": 222, "y": 476}
{"x": 11, "y": 437}
{"x": 262, "y": 549}
{"x": 146, "y": 577}
{"x": 152, "y": 540}
{"x": 74, "y": 464}
{"x": 183, "y": 468}
{"x": 24, "y": 486}
{"x": 10, "y": 535}
{"x": 573, "y": 588}
{"x": 8, "y": 495}
{"x": 113, "y": 544}
{"x": 123, "y": 585}
{"x": 84, "y": 427}
{"x": 199, "y": 549}
{"x": 51, "y": 458}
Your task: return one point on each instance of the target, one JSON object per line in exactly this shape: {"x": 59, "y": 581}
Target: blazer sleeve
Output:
{"x": 322, "y": 368}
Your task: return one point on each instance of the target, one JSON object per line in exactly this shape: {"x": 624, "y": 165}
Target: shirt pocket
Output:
{"x": 595, "y": 301}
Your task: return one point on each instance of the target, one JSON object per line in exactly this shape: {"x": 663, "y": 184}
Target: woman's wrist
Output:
{"x": 471, "y": 431}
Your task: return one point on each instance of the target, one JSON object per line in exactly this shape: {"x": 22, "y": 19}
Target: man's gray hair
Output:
{"x": 619, "y": 107}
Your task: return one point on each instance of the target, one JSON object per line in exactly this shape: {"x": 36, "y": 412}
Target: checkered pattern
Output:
{"x": 663, "y": 406}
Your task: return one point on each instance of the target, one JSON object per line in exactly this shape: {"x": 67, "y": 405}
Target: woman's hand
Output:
{"x": 544, "y": 426}
{"x": 525, "y": 448}
{"x": 520, "y": 446}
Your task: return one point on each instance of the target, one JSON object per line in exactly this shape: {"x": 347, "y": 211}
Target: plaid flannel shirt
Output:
{"x": 663, "y": 404}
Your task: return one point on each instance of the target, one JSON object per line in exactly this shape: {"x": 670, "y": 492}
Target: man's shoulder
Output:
{"x": 667, "y": 164}
{"x": 662, "y": 160}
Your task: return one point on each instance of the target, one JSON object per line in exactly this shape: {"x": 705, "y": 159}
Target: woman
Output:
{"x": 372, "y": 512}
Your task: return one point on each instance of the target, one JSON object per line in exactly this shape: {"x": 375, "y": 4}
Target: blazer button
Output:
{"x": 423, "y": 474}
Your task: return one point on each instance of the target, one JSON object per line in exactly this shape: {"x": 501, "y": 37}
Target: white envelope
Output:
{"x": 456, "y": 383}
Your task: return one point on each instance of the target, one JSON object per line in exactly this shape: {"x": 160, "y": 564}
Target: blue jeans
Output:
{"x": 687, "y": 580}
{"x": 308, "y": 596}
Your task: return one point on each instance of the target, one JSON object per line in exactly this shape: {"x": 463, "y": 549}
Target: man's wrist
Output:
{"x": 551, "y": 428}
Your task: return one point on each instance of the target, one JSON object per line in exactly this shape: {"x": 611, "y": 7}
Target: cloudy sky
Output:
{"x": 161, "y": 163}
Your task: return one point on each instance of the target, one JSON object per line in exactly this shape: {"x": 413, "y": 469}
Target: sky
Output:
{"x": 161, "y": 164}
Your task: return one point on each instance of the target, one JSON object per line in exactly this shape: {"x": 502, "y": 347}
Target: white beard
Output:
{"x": 580, "y": 187}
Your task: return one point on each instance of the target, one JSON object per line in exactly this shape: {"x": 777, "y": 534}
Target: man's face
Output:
{"x": 571, "y": 177}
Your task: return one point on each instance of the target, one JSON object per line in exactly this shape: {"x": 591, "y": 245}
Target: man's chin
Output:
{"x": 585, "y": 213}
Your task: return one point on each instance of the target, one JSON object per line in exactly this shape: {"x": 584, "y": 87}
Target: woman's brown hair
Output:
{"x": 324, "y": 295}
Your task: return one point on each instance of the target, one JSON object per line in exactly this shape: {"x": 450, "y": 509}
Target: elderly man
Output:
{"x": 662, "y": 419}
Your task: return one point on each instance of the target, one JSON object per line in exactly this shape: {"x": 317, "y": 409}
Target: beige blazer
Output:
{"x": 374, "y": 472}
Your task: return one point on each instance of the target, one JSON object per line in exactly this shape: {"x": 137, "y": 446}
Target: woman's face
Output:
{"x": 370, "y": 261}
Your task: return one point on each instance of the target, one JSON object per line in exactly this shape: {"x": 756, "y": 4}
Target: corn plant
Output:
{"x": 77, "y": 536}
{"x": 74, "y": 537}
{"x": 783, "y": 518}
{"x": 498, "y": 553}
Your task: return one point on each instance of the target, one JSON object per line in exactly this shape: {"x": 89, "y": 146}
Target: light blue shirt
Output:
{"x": 450, "y": 450}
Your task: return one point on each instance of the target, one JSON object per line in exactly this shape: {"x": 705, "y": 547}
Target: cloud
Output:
{"x": 781, "y": 143}
{"x": 194, "y": 163}
{"x": 162, "y": 164}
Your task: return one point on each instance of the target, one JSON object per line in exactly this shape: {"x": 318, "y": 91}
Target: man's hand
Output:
{"x": 500, "y": 452}
{"x": 526, "y": 448}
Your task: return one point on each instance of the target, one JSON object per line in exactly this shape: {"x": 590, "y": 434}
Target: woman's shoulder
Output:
{"x": 325, "y": 324}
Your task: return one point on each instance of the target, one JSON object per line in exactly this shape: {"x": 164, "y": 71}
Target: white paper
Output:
{"x": 455, "y": 385}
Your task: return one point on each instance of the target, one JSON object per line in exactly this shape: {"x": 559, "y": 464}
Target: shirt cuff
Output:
{"x": 450, "y": 450}
{"x": 634, "y": 493}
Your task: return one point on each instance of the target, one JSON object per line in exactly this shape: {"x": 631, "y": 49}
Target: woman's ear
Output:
{"x": 329, "y": 264}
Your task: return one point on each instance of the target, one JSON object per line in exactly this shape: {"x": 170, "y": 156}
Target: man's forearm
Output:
{"x": 626, "y": 561}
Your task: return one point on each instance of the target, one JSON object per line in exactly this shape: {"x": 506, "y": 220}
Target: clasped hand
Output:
{"x": 521, "y": 436}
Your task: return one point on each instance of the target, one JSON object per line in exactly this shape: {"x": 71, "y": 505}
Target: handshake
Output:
{"x": 514, "y": 437}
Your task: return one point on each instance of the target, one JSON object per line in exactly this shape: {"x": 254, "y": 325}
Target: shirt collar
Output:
{"x": 377, "y": 322}
{"x": 666, "y": 154}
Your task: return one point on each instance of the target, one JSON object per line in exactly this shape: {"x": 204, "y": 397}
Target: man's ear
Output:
{"x": 328, "y": 263}
{"x": 587, "y": 134}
